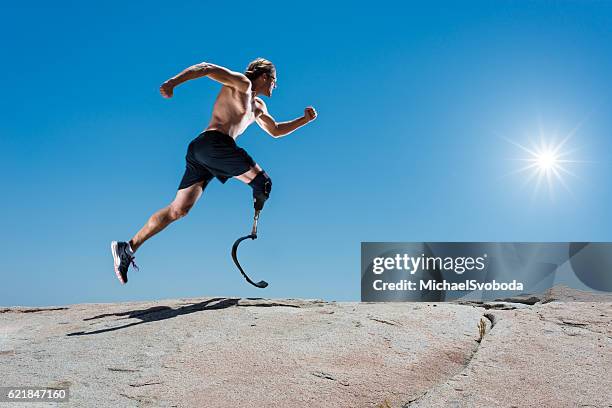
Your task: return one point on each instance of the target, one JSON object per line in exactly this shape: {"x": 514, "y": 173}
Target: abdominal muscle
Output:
{"x": 232, "y": 112}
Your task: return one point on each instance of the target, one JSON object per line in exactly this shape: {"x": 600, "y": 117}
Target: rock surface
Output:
{"x": 229, "y": 352}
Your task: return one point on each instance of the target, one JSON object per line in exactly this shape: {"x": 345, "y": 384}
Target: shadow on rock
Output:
{"x": 157, "y": 313}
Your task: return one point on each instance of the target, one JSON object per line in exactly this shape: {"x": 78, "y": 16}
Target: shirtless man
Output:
{"x": 214, "y": 152}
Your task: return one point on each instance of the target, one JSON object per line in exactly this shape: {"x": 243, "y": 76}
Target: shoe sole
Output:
{"x": 117, "y": 261}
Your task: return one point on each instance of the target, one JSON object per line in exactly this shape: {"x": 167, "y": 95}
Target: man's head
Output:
{"x": 262, "y": 74}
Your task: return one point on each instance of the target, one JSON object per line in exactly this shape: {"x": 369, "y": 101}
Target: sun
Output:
{"x": 547, "y": 163}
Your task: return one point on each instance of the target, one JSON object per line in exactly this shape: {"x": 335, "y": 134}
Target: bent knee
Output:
{"x": 250, "y": 174}
{"x": 261, "y": 184}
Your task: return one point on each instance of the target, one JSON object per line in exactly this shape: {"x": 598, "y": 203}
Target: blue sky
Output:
{"x": 417, "y": 107}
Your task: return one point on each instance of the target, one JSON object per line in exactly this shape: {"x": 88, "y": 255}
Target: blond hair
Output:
{"x": 258, "y": 67}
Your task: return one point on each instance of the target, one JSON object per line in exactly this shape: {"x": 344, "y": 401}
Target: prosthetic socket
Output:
{"x": 261, "y": 185}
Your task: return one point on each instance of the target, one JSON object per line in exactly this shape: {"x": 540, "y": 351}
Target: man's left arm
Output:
{"x": 280, "y": 129}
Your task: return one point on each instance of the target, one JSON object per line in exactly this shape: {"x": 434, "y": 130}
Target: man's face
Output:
{"x": 270, "y": 83}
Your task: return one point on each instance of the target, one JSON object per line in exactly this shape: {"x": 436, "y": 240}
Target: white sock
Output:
{"x": 129, "y": 247}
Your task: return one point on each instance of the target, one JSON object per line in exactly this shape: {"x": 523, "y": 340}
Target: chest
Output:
{"x": 246, "y": 106}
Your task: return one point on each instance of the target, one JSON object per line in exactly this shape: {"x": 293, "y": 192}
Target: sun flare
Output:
{"x": 547, "y": 162}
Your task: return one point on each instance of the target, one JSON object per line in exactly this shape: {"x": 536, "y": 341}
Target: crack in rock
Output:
{"x": 527, "y": 300}
{"x": 491, "y": 318}
{"x": 495, "y": 305}
{"x": 271, "y": 304}
{"x": 140, "y": 398}
{"x": 573, "y": 323}
{"x": 122, "y": 370}
{"x": 327, "y": 376}
{"x": 31, "y": 310}
{"x": 143, "y": 384}
{"x": 389, "y": 322}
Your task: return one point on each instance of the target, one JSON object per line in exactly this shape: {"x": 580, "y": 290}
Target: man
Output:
{"x": 214, "y": 152}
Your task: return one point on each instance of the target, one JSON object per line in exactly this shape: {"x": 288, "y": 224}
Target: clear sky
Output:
{"x": 421, "y": 111}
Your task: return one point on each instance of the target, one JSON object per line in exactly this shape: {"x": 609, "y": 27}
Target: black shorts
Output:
{"x": 214, "y": 154}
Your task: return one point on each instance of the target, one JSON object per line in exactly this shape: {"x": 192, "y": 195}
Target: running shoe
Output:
{"x": 123, "y": 259}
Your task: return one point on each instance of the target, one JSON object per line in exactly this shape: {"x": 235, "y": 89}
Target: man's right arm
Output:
{"x": 220, "y": 74}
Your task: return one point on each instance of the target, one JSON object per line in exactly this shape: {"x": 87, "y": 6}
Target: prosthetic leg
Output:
{"x": 252, "y": 235}
{"x": 262, "y": 186}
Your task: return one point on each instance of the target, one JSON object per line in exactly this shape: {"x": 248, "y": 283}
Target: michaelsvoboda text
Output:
{"x": 446, "y": 286}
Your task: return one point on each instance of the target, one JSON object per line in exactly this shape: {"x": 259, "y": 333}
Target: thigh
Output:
{"x": 187, "y": 197}
{"x": 250, "y": 174}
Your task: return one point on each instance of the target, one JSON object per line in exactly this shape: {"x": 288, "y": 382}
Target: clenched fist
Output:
{"x": 166, "y": 89}
{"x": 310, "y": 113}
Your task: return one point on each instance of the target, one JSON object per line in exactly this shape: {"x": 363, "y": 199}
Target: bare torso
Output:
{"x": 233, "y": 112}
